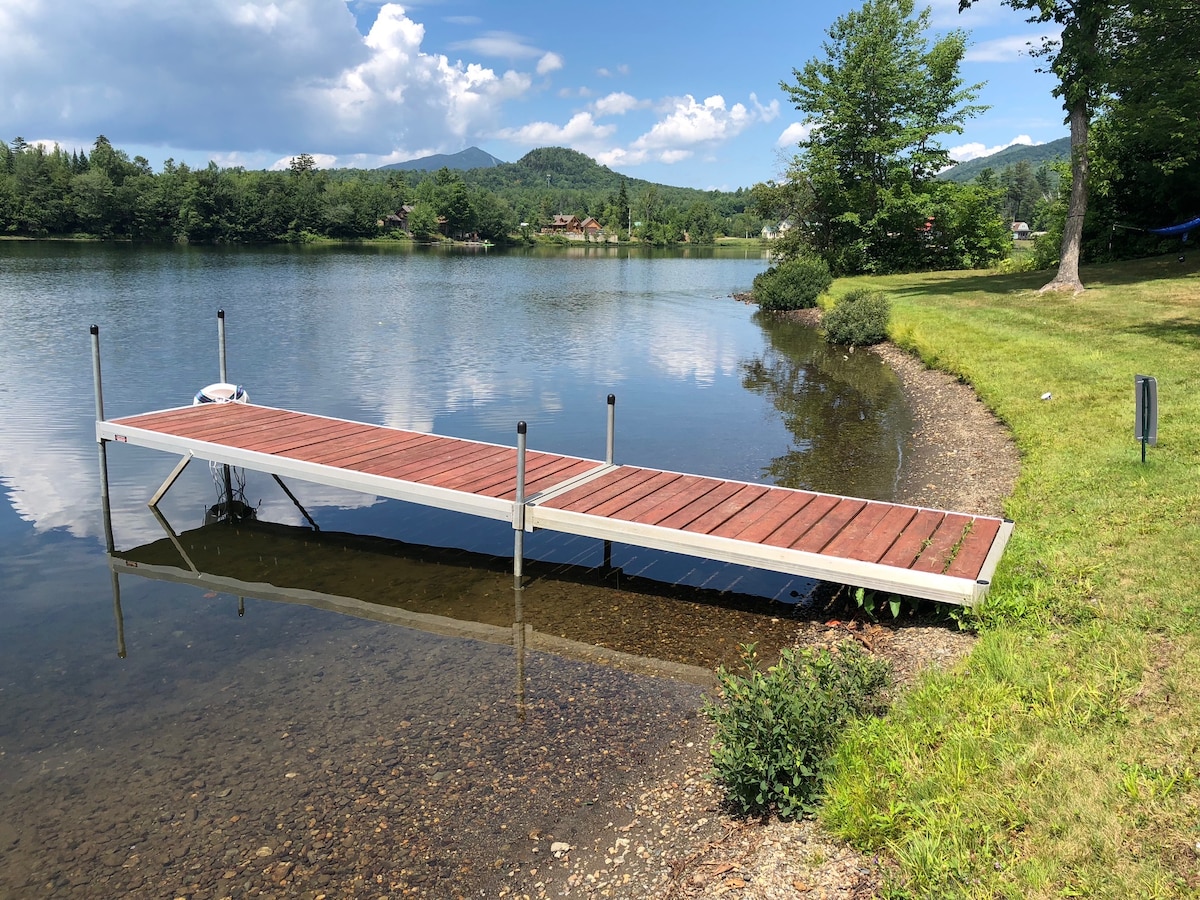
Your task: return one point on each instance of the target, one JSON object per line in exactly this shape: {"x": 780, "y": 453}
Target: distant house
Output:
{"x": 1020, "y": 231}
{"x": 590, "y": 226}
{"x": 398, "y": 219}
{"x": 770, "y": 232}
{"x": 564, "y": 225}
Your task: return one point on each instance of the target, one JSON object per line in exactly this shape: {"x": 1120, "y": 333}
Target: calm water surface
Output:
{"x": 374, "y": 701}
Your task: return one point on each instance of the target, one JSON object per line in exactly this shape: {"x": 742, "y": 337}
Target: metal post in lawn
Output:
{"x": 1146, "y": 415}
{"x": 519, "y": 511}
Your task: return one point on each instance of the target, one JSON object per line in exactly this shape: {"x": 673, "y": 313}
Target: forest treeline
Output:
{"x": 106, "y": 194}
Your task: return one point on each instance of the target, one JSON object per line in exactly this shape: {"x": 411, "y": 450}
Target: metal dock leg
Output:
{"x": 519, "y": 511}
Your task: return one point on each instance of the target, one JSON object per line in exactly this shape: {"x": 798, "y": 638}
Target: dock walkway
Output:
{"x": 933, "y": 554}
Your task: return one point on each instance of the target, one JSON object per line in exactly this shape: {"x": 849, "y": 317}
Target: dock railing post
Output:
{"x": 609, "y": 456}
{"x": 221, "y": 344}
{"x": 519, "y": 511}
{"x": 611, "y": 444}
{"x": 224, "y": 380}
{"x": 105, "y": 503}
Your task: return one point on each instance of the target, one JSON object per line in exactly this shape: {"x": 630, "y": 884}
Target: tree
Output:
{"x": 93, "y": 194}
{"x": 700, "y": 223}
{"x": 1021, "y": 191}
{"x": 1081, "y": 60}
{"x": 494, "y": 218}
{"x": 422, "y": 221}
{"x": 302, "y": 163}
{"x": 877, "y": 103}
{"x": 1146, "y": 140}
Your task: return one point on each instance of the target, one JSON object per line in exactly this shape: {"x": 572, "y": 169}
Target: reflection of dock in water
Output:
{"x": 578, "y": 612}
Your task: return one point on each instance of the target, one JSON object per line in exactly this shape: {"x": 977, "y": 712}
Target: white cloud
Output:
{"x": 1014, "y": 48}
{"x": 793, "y": 135}
{"x": 580, "y": 130}
{"x": 684, "y": 126}
{"x": 975, "y": 150}
{"x": 619, "y": 156}
{"x": 259, "y": 79}
{"x": 689, "y": 122}
{"x": 605, "y": 72}
{"x": 501, "y": 44}
{"x": 616, "y": 104}
{"x": 550, "y": 62}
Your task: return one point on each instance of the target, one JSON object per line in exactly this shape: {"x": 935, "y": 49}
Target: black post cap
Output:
{"x": 95, "y": 329}
{"x": 612, "y": 399}
{"x": 520, "y": 428}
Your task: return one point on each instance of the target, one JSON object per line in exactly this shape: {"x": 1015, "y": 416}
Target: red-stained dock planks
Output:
{"x": 941, "y": 555}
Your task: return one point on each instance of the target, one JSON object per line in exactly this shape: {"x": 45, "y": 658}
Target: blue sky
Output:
{"x": 678, "y": 93}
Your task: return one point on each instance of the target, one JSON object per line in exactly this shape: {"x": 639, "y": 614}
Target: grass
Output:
{"x": 1062, "y": 758}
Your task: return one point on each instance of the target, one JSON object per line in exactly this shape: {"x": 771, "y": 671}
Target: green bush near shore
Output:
{"x": 795, "y": 284}
{"x": 1062, "y": 758}
{"x": 860, "y": 318}
{"x": 775, "y": 728}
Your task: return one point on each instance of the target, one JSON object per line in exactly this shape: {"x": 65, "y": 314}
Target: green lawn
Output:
{"x": 1062, "y": 758}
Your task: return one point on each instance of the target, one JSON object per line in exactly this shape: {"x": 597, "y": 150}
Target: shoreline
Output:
{"x": 689, "y": 845}
{"x": 960, "y": 456}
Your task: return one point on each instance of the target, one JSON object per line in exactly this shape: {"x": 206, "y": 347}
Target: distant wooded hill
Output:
{"x": 471, "y": 158}
{"x": 1035, "y": 155}
{"x": 575, "y": 182}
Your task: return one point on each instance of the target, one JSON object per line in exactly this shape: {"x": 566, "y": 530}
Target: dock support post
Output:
{"x": 612, "y": 429}
{"x": 166, "y": 485}
{"x": 292, "y": 497}
{"x": 519, "y": 511}
{"x": 224, "y": 379}
{"x": 519, "y": 641}
{"x": 609, "y": 456}
{"x": 221, "y": 343}
{"x": 105, "y": 502}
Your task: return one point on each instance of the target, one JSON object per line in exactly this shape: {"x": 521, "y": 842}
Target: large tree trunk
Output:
{"x": 1067, "y": 278}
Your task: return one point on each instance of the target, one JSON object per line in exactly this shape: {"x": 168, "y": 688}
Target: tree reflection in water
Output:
{"x": 845, "y": 410}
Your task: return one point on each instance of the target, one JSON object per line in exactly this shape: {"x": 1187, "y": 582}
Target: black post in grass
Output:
{"x": 1146, "y": 414}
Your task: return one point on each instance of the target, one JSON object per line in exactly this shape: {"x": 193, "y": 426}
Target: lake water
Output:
{"x": 374, "y": 701}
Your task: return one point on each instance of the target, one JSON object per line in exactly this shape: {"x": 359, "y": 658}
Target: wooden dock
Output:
{"x": 933, "y": 554}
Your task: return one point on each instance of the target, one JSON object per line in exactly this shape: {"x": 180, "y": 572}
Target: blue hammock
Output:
{"x": 1182, "y": 228}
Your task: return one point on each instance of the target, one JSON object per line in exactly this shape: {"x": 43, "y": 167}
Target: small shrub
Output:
{"x": 776, "y": 729}
{"x": 861, "y": 317}
{"x": 1018, "y": 262}
{"x": 795, "y": 284}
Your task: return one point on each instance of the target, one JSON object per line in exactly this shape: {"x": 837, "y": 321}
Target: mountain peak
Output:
{"x": 471, "y": 158}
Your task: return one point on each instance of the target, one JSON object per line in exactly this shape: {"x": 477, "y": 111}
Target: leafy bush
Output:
{"x": 794, "y": 284}
{"x": 776, "y": 729}
{"x": 861, "y": 317}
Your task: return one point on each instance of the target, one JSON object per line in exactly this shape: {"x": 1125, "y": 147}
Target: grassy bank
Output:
{"x": 1062, "y": 759}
